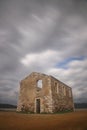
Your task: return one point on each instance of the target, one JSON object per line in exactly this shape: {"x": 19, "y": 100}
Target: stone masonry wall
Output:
{"x": 61, "y": 95}
{"x": 29, "y": 93}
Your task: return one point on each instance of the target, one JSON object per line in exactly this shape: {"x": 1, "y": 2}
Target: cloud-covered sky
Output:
{"x": 47, "y": 36}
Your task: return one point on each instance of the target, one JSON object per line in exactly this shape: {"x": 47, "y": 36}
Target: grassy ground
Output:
{"x": 69, "y": 121}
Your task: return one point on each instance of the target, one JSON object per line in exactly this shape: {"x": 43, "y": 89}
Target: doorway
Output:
{"x": 37, "y": 105}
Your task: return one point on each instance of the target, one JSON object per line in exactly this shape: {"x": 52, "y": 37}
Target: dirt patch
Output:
{"x": 69, "y": 121}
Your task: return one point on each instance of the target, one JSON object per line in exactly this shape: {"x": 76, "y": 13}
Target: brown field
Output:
{"x": 69, "y": 121}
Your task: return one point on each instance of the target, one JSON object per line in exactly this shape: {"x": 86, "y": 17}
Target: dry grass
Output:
{"x": 68, "y": 121}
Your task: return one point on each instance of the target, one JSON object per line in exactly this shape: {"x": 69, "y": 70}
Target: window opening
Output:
{"x": 56, "y": 88}
{"x": 70, "y": 93}
{"x": 39, "y": 84}
{"x": 64, "y": 91}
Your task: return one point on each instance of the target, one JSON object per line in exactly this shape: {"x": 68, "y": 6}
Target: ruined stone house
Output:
{"x": 40, "y": 93}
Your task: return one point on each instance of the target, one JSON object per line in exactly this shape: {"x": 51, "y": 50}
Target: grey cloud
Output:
{"x": 55, "y": 32}
{"x": 36, "y": 26}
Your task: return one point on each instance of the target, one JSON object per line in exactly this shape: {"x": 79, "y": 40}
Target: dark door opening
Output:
{"x": 37, "y": 105}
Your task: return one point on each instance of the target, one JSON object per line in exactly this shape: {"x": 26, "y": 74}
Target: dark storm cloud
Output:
{"x": 19, "y": 13}
{"x": 8, "y": 91}
{"x": 33, "y": 27}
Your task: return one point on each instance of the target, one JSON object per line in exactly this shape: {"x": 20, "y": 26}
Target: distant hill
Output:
{"x": 7, "y": 106}
{"x": 77, "y": 105}
{"x": 80, "y": 105}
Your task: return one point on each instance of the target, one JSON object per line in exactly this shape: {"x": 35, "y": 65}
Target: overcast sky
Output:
{"x": 47, "y": 36}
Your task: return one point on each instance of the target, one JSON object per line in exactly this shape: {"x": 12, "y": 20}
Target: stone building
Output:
{"x": 40, "y": 93}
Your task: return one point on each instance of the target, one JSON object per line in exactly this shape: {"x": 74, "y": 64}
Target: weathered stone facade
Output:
{"x": 40, "y": 93}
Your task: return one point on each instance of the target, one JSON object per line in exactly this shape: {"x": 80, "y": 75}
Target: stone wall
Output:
{"x": 61, "y": 95}
{"x": 29, "y": 92}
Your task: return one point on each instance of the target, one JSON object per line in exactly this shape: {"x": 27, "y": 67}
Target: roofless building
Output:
{"x": 40, "y": 93}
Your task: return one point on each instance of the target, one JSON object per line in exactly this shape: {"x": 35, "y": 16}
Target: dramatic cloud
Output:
{"x": 43, "y": 36}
